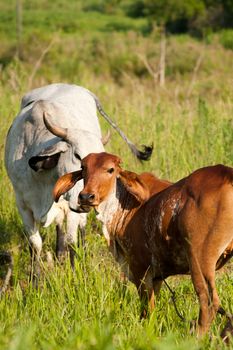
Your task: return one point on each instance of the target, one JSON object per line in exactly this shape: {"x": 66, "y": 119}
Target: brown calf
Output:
{"x": 185, "y": 228}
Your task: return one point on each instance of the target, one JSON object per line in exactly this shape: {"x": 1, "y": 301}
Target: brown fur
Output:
{"x": 65, "y": 183}
{"x": 185, "y": 228}
{"x": 153, "y": 183}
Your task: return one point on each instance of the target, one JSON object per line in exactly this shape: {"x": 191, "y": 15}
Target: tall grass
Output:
{"x": 190, "y": 123}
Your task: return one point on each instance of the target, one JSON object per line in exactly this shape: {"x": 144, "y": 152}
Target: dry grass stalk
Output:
{"x": 39, "y": 62}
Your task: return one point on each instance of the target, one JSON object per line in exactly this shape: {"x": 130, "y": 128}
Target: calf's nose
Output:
{"x": 86, "y": 197}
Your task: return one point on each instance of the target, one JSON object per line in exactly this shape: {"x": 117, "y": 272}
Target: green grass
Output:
{"x": 67, "y": 17}
{"x": 189, "y": 121}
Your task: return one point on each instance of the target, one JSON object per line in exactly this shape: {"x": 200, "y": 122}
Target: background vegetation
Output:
{"x": 115, "y": 49}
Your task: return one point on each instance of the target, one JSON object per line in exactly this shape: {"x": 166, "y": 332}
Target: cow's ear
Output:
{"x": 134, "y": 185}
{"x": 39, "y": 163}
{"x": 65, "y": 183}
{"x": 48, "y": 157}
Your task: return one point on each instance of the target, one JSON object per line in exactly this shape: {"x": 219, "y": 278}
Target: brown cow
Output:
{"x": 186, "y": 228}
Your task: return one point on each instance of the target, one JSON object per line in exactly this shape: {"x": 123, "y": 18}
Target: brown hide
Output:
{"x": 65, "y": 183}
{"x": 154, "y": 184}
{"x": 142, "y": 186}
{"x": 185, "y": 228}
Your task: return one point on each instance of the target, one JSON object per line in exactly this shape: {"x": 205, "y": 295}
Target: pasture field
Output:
{"x": 189, "y": 121}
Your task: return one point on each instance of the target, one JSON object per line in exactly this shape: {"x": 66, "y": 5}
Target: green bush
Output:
{"x": 178, "y": 16}
{"x": 226, "y": 39}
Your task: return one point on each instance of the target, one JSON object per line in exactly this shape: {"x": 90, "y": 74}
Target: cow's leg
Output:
{"x": 81, "y": 236}
{"x": 202, "y": 291}
{"x": 145, "y": 289}
{"x": 210, "y": 255}
{"x": 74, "y": 221}
{"x": 35, "y": 242}
{"x": 157, "y": 286}
{"x": 61, "y": 248}
{"x": 108, "y": 239}
{"x": 210, "y": 261}
{"x": 82, "y": 229}
{"x": 214, "y": 302}
{"x": 6, "y": 258}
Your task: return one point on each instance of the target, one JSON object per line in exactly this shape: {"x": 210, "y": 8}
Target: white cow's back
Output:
{"x": 76, "y": 100}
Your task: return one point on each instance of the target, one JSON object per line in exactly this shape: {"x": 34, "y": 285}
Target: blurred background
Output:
{"x": 123, "y": 41}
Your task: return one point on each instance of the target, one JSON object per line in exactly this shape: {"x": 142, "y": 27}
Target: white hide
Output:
{"x": 68, "y": 106}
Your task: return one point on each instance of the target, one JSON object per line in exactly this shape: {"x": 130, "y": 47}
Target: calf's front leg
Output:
{"x": 145, "y": 287}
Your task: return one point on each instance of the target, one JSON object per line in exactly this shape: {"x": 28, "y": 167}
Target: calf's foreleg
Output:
{"x": 145, "y": 287}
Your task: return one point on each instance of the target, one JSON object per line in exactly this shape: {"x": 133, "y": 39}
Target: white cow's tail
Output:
{"x": 145, "y": 154}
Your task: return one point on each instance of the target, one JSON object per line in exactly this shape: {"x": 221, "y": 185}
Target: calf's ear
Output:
{"x": 134, "y": 185}
{"x": 65, "y": 183}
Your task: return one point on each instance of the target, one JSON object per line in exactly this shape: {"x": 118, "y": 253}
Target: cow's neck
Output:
{"x": 117, "y": 210}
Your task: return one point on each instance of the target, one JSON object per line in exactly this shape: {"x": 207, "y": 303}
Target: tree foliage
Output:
{"x": 185, "y": 16}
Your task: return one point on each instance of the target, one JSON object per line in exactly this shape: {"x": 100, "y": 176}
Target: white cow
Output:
{"x": 36, "y": 157}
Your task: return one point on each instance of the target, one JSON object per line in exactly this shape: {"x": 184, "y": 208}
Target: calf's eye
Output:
{"x": 110, "y": 171}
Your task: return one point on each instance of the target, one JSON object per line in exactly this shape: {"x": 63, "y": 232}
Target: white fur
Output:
{"x": 56, "y": 213}
{"x": 36, "y": 241}
{"x": 68, "y": 106}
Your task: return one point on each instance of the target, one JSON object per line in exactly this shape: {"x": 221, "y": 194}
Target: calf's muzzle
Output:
{"x": 86, "y": 198}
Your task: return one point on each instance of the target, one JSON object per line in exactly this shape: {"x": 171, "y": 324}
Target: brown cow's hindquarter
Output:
{"x": 209, "y": 230}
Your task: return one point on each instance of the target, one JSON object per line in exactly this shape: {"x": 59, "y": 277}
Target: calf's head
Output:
{"x": 100, "y": 172}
